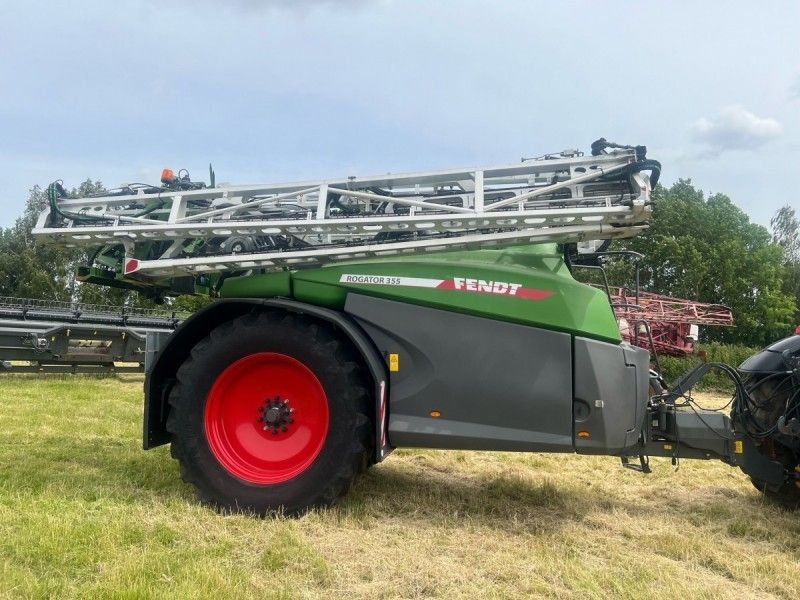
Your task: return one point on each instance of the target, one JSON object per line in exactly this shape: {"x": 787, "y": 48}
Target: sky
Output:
{"x": 279, "y": 90}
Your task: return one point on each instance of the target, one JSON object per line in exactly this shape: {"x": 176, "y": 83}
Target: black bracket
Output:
{"x": 642, "y": 467}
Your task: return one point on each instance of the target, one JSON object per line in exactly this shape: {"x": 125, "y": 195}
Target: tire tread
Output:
{"x": 345, "y": 361}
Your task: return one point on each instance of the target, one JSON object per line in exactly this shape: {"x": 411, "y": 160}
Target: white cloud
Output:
{"x": 734, "y": 128}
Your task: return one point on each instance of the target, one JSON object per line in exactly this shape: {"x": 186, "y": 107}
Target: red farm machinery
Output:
{"x": 666, "y": 325}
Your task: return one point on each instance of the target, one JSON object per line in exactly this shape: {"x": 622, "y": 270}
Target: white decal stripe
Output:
{"x": 362, "y": 279}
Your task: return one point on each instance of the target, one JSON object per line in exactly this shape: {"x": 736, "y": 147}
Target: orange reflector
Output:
{"x": 167, "y": 175}
{"x": 584, "y": 434}
{"x": 436, "y": 414}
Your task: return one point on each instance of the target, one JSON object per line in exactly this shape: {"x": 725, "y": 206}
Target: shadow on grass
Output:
{"x": 490, "y": 499}
{"x": 534, "y": 504}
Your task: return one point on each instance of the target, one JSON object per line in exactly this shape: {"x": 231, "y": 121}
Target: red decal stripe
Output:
{"x": 533, "y": 294}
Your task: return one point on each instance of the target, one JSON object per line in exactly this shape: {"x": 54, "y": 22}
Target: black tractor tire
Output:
{"x": 770, "y": 395}
{"x": 235, "y": 378}
{"x": 787, "y": 496}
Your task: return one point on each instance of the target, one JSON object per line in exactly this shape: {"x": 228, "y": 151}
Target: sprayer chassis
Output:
{"x": 488, "y": 350}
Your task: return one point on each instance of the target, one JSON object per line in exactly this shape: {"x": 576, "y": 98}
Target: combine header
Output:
{"x": 43, "y": 336}
{"x": 433, "y": 309}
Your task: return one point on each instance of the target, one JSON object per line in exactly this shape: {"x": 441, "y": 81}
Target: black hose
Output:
{"x": 642, "y": 162}
{"x": 648, "y": 165}
{"x": 55, "y": 191}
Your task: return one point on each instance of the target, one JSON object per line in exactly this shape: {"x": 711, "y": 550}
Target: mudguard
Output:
{"x": 173, "y": 350}
{"x": 771, "y": 358}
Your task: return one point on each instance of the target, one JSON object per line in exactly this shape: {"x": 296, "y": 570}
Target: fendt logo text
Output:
{"x": 481, "y": 285}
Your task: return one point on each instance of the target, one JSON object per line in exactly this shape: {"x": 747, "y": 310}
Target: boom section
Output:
{"x": 168, "y": 232}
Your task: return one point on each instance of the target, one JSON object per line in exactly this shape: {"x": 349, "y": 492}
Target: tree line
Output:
{"x": 700, "y": 247}
{"x": 705, "y": 248}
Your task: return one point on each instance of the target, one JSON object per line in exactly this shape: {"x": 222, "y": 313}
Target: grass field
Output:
{"x": 84, "y": 512}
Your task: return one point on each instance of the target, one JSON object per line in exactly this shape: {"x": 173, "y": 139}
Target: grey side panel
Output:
{"x": 611, "y": 392}
{"x": 498, "y": 386}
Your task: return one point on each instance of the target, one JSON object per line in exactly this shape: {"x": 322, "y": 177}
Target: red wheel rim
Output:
{"x": 245, "y": 406}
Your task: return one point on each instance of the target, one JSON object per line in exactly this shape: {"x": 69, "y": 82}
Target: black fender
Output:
{"x": 160, "y": 375}
{"x": 772, "y": 358}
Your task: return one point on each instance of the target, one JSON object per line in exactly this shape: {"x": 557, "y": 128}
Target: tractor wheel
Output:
{"x": 271, "y": 414}
{"x": 771, "y": 395}
{"x": 788, "y": 495}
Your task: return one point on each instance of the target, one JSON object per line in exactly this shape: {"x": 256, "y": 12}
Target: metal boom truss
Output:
{"x": 185, "y": 228}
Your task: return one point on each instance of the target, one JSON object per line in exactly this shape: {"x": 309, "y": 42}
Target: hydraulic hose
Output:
{"x": 642, "y": 162}
{"x": 648, "y": 165}
{"x": 55, "y": 191}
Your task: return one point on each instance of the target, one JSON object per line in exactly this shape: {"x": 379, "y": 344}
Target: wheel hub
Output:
{"x": 276, "y": 415}
{"x": 266, "y": 418}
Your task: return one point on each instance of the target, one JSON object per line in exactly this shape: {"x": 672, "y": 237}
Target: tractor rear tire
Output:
{"x": 788, "y": 495}
{"x": 271, "y": 414}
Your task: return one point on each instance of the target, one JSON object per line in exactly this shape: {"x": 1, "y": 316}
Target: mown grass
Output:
{"x": 85, "y": 513}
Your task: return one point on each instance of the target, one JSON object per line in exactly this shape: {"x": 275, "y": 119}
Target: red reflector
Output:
{"x": 131, "y": 265}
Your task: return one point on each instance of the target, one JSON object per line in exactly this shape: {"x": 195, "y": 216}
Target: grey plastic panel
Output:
{"x": 611, "y": 392}
{"x": 498, "y": 386}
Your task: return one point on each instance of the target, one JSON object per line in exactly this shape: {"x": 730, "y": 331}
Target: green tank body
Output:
{"x": 530, "y": 285}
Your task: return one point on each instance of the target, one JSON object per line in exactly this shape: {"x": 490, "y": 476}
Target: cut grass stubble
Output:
{"x": 84, "y": 512}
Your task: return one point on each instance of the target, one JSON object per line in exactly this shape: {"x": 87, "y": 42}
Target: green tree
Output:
{"x": 31, "y": 268}
{"x": 28, "y": 269}
{"x": 786, "y": 233}
{"x": 706, "y": 249}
